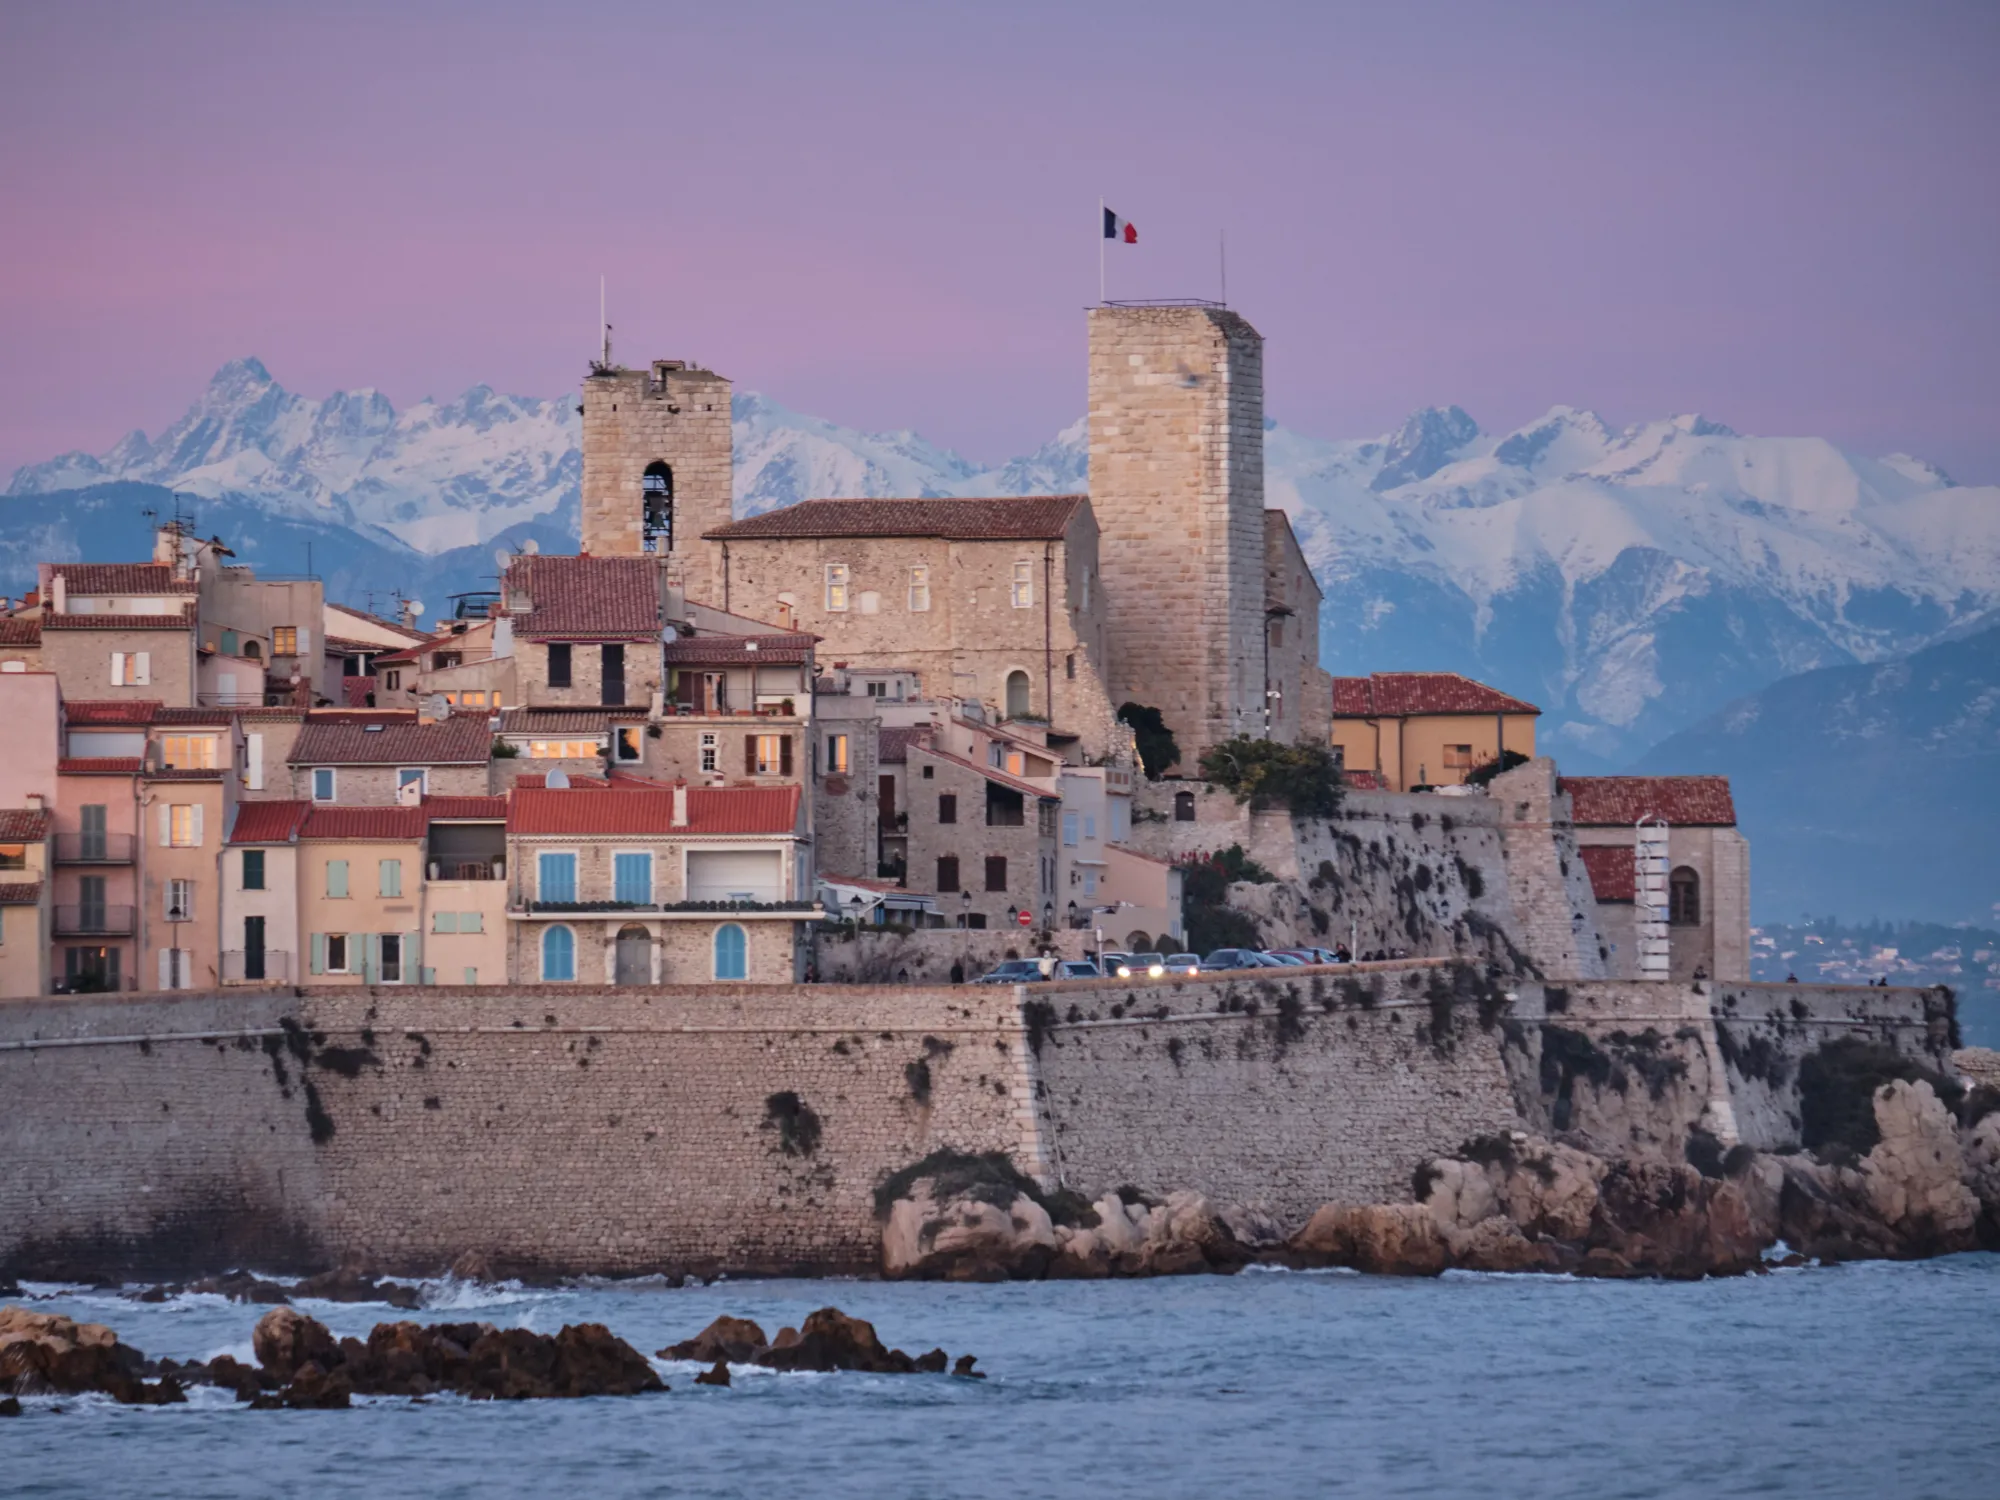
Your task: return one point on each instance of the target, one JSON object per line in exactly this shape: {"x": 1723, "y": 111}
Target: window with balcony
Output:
{"x": 632, "y": 878}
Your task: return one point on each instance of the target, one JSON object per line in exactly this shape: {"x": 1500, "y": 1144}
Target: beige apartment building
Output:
{"x": 1408, "y": 729}
{"x": 258, "y": 895}
{"x": 376, "y": 758}
{"x": 360, "y": 887}
{"x": 25, "y": 890}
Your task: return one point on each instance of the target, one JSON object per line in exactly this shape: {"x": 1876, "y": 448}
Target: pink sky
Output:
{"x": 1786, "y": 216}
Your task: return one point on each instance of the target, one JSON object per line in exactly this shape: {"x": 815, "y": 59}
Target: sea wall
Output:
{"x": 537, "y": 1129}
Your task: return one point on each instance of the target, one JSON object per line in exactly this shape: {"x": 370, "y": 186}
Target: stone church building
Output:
{"x": 1168, "y": 585}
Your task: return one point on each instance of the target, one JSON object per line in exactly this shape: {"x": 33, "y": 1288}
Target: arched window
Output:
{"x": 732, "y": 958}
{"x": 252, "y": 651}
{"x": 558, "y": 955}
{"x": 1684, "y": 898}
{"x": 1019, "y": 699}
{"x": 657, "y": 488}
{"x": 1183, "y": 807}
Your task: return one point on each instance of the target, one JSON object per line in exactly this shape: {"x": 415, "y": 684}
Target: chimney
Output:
{"x": 680, "y": 804}
{"x": 59, "y": 595}
{"x": 36, "y": 802}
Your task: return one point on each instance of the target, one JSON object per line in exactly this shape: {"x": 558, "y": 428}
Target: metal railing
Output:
{"x": 94, "y": 848}
{"x": 94, "y": 921}
{"x": 244, "y": 966}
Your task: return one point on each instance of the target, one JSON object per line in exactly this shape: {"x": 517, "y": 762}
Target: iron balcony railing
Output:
{"x": 252, "y": 966}
{"x": 94, "y": 921}
{"x": 94, "y": 848}
{"x": 614, "y": 908}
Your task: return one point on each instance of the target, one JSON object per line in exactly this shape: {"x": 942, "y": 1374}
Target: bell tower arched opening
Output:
{"x": 656, "y": 526}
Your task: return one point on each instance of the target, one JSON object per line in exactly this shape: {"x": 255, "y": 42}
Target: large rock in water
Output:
{"x": 45, "y": 1353}
{"x": 1395, "y": 1239}
{"x": 966, "y": 1238}
{"x": 735, "y": 1340}
{"x": 286, "y": 1338}
{"x": 1907, "y": 1198}
{"x": 831, "y": 1340}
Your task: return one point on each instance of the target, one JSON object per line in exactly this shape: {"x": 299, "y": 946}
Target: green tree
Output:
{"x": 1265, "y": 773}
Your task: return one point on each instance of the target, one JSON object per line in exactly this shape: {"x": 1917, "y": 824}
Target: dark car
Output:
{"x": 1014, "y": 971}
{"x": 1237, "y": 958}
{"x": 1078, "y": 968}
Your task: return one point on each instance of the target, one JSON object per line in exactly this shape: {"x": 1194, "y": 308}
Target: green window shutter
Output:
{"x": 336, "y": 877}
{"x": 430, "y": 976}
{"x": 413, "y": 955}
{"x": 471, "y": 921}
{"x": 392, "y": 877}
{"x": 319, "y": 953}
{"x": 444, "y": 921}
{"x": 471, "y": 976}
{"x": 371, "y": 958}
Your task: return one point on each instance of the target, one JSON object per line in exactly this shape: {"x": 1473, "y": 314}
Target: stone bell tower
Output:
{"x": 1177, "y": 485}
{"x": 656, "y": 466}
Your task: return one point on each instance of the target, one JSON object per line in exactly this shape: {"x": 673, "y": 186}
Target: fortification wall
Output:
{"x": 539, "y": 1129}
{"x": 1285, "y": 1092}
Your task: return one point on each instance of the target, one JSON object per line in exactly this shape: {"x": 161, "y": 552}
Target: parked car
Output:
{"x": 1109, "y": 960}
{"x": 1284, "y": 958}
{"x": 1142, "y": 966}
{"x": 1307, "y": 955}
{"x": 1014, "y": 971}
{"x": 1078, "y": 968}
{"x": 1238, "y": 958}
{"x": 1183, "y": 963}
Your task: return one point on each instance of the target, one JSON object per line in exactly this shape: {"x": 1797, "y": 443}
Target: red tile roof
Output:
{"x": 121, "y": 578}
{"x": 465, "y": 807}
{"x": 99, "y": 765}
{"x": 111, "y": 710}
{"x": 23, "y": 825}
{"x": 1684, "y": 801}
{"x": 741, "y": 651}
{"x": 399, "y": 823}
{"x": 1611, "y": 871}
{"x": 27, "y": 893}
{"x": 213, "y": 718}
{"x": 1394, "y": 695}
{"x": 189, "y": 774}
{"x": 711, "y": 810}
{"x": 991, "y": 773}
{"x": 15, "y": 632}
{"x": 119, "y": 622}
{"x": 463, "y": 739}
{"x": 565, "y": 721}
{"x": 1034, "y": 518}
{"x": 354, "y": 691}
{"x": 896, "y": 742}
{"x": 275, "y": 822}
{"x": 586, "y": 598}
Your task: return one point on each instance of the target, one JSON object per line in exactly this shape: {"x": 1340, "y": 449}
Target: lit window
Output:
{"x": 836, "y": 754}
{"x": 771, "y": 756}
{"x": 836, "y": 587}
{"x": 558, "y": 954}
{"x": 732, "y": 958}
{"x": 711, "y": 753}
{"x": 1017, "y": 763}
{"x": 627, "y": 738}
{"x": 563, "y": 749}
{"x": 13, "y": 856}
{"x": 285, "y": 640}
{"x": 183, "y": 827}
{"x": 188, "y": 752}
{"x": 1023, "y": 593}
{"x": 920, "y": 588}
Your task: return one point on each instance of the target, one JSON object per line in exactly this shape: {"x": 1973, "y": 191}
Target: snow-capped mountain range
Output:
{"x": 1630, "y": 580}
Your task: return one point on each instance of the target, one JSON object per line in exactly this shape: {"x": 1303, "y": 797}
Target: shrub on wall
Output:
{"x": 1485, "y": 772}
{"x": 1265, "y": 773}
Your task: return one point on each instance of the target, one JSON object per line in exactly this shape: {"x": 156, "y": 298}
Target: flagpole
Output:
{"x": 1100, "y": 252}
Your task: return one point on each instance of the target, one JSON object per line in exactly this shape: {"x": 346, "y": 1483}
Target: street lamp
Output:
{"x": 965, "y": 910}
{"x": 1048, "y": 916}
{"x": 855, "y": 902}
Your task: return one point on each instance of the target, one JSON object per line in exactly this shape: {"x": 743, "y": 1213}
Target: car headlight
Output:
{"x": 1124, "y": 972}
{"x": 1154, "y": 971}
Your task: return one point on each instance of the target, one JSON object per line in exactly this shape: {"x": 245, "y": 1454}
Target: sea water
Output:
{"x": 1868, "y": 1379}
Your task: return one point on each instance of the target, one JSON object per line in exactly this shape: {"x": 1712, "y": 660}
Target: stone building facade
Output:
{"x": 1411, "y": 729}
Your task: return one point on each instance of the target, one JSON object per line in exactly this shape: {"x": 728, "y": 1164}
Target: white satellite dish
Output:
{"x": 557, "y": 781}
{"x": 501, "y": 558}
{"x": 532, "y": 547}
{"x": 417, "y": 607}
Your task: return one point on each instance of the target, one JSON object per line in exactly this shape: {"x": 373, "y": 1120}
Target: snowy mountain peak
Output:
{"x": 1428, "y": 440}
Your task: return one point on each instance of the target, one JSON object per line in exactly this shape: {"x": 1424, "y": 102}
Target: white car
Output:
{"x": 1142, "y": 966}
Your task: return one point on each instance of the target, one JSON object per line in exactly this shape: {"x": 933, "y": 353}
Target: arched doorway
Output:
{"x": 635, "y": 956}
{"x": 657, "y": 488}
{"x": 1019, "y": 695}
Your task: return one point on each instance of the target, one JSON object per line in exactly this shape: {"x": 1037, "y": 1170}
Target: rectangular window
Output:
{"x": 632, "y": 878}
{"x": 253, "y": 948}
{"x": 611, "y": 676}
{"x": 947, "y": 873}
{"x": 391, "y": 876}
{"x": 626, "y": 737}
{"x": 1070, "y": 827}
{"x": 183, "y": 829}
{"x": 471, "y": 976}
{"x": 179, "y": 901}
{"x": 131, "y": 668}
{"x": 444, "y": 921}
{"x": 1090, "y": 882}
{"x": 563, "y": 749}
{"x": 188, "y": 752}
{"x": 711, "y": 754}
{"x": 920, "y": 588}
{"x": 415, "y": 776}
{"x": 391, "y": 969}
{"x": 92, "y": 836}
{"x": 284, "y": 640}
{"x": 392, "y": 680}
{"x": 336, "y": 879}
{"x": 1023, "y": 592}
{"x": 996, "y": 872}
{"x": 1089, "y": 827}
{"x": 336, "y": 953}
{"x": 555, "y": 877}
{"x": 771, "y": 754}
{"x": 877, "y": 689}
{"x": 947, "y": 806}
{"x": 559, "y": 666}
{"x": 836, "y": 754}
{"x": 13, "y": 856}
{"x": 1069, "y": 666}
{"x": 1458, "y": 757}
{"x": 323, "y": 784}
{"x": 836, "y": 587}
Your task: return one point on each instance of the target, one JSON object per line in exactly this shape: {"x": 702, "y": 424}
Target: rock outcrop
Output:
{"x": 47, "y": 1354}
{"x": 828, "y": 1340}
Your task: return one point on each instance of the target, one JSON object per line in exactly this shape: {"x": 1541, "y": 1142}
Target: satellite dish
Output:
{"x": 502, "y": 557}
{"x": 532, "y": 547}
{"x": 416, "y": 606}
{"x": 557, "y": 781}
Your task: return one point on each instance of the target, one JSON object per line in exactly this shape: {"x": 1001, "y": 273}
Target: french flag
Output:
{"x": 1123, "y": 230}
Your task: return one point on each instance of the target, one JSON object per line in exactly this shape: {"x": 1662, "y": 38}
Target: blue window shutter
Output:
{"x": 633, "y": 878}
{"x": 558, "y": 954}
{"x": 731, "y": 960}
{"x": 319, "y": 953}
{"x": 556, "y": 879}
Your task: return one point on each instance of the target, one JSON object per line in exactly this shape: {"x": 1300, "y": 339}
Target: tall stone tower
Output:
{"x": 1177, "y": 483}
{"x": 656, "y": 466}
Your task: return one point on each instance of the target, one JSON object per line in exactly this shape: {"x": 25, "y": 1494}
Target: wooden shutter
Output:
{"x": 785, "y": 755}
{"x": 996, "y": 872}
{"x": 166, "y": 825}
{"x": 166, "y": 968}
{"x": 749, "y": 755}
{"x": 254, "y": 754}
{"x": 145, "y": 672}
{"x": 118, "y": 669}
{"x": 319, "y": 953}
{"x": 197, "y": 825}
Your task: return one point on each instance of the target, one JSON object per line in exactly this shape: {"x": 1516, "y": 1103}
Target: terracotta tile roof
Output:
{"x": 398, "y": 823}
{"x": 28, "y": 893}
{"x": 711, "y": 810}
{"x": 565, "y": 720}
{"x": 465, "y": 807}
{"x": 23, "y": 825}
{"x": 347, "y": 645}
{"x": 1396, "y": 695}
{"x": 184, "y": 775}
{"x": 213, "y": 718}
{"x": 292, "y": 713}
{"x": 463, "y": 739}
{"x": 275, "y": 822}
{"x": 896, "y": 742}
{"x": 1035, "y": 518}
{"x": 992, "y": 773}
{"x": 741, "y": 651}
{"x": 354, "y": 691}
{"x": 1683, "y": 801}
{"x": 1611, "y": 871}
{"x": 15, "y": 632}
{"x": 121, "y": 578}
{"x": 111, "y": 710}
{"x": 119, "y": 622}
{"x": 99, "y": 765}
{"x": 586, "y": 598}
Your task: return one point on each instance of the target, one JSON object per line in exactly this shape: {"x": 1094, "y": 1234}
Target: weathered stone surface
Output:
{"x": 966, "y": 1238}
{"x": 1394, "y": 1239}
{"x": 1908, "y": 1197}
{"x": 286, "y": 1338}
{"x": 734, "y": 1340}
{"x": 831, "y": 1340}
{"x": 43, "y": 1353}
